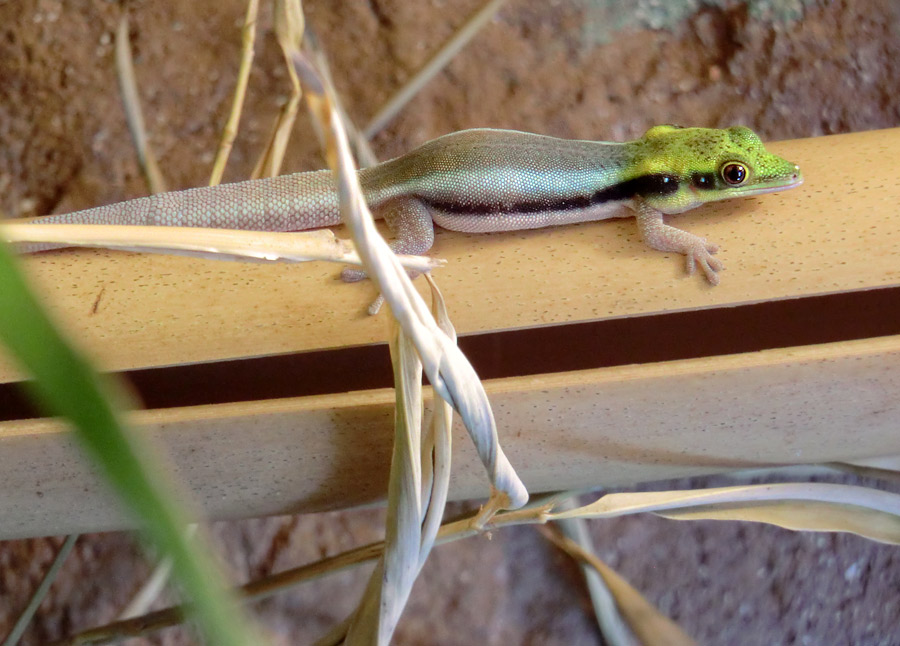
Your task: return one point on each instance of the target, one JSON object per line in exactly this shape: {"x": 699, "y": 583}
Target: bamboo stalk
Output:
{"x": 611, "y": 426}
{"x": 820, "y": 238}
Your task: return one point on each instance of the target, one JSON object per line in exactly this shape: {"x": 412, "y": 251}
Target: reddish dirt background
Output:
{"x": 64, "y": 145}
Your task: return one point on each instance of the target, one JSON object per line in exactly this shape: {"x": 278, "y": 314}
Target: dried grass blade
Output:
{"x": 393, "y": 578}
{"x": 613, "y": 626}
{"x": 649, "y": 625}
{"x": 804, "y": 516}
{"x": 871, "y": 513}
{"x": 440, "y": 440}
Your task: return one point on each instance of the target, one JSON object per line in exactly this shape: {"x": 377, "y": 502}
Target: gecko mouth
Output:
{"x": 761, "y": 190}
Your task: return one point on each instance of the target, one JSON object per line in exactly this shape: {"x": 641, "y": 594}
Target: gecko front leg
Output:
{"x": 410, "y": 221}
{"x": 662, "y": 237}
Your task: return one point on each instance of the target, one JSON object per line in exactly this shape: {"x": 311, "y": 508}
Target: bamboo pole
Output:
{"x": 610, "y": 426}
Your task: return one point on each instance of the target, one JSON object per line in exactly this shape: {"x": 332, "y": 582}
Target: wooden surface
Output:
{"x": 839, "y": 232}
{"x": 597, "y": 427}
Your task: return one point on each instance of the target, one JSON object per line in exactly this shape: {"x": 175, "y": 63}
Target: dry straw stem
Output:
{"x": 865, "y": 471}
{"x": 289, "y": 24}
{"x": 153, "y": 586}
{"x": 248, "y": 38}
{"x": 431, "y": 67}
{"x": 253, "y": 591}
{"x": 215, "y": 244}
{"x": 365, "y": 156}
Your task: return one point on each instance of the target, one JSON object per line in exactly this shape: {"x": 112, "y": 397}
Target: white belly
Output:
{"x": 476, "y": 223}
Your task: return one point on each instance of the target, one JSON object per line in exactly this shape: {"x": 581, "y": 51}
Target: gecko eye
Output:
{"x": 734, "y": 173}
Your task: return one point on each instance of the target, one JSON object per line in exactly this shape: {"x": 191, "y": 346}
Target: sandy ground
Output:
{"x": 538, "y": 66}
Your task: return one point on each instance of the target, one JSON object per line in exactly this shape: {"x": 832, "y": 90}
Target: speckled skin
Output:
{"x": 493, "y": 180}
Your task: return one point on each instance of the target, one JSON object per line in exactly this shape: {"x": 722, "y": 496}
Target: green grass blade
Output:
{"x": 66, "y": 386}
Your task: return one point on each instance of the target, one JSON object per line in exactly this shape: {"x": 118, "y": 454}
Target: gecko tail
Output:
{"x": 295, "y": 202}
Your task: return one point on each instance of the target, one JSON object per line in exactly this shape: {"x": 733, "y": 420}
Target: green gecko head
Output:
{"x": 699, "y": 165}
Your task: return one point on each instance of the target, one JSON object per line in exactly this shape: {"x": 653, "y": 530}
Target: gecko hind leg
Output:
{"x": 410, "y": 221}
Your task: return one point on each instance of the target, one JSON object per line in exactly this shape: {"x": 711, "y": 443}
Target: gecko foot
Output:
{"x": 353, "y": 275}
{"x": 701, "y": 254}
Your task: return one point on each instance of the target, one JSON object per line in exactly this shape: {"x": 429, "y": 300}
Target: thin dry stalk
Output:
{"x": 248, "y": 39}
{"x": 431, "y": 67}
{"x": 283, "y": 581}
{"x": 133, "y": 113}
{"x": 253, "y": 591}
{"x": 40, "y": 592}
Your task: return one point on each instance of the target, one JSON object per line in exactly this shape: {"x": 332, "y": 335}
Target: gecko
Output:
{"x": 486, "y": 180}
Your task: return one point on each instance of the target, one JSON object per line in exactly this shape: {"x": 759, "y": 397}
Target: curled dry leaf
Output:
{"x": 449, "y": 372}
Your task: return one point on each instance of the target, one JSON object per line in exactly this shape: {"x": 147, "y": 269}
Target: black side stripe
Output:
{"x": 635, "y": 187}
{"x": 703, "y": 181}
